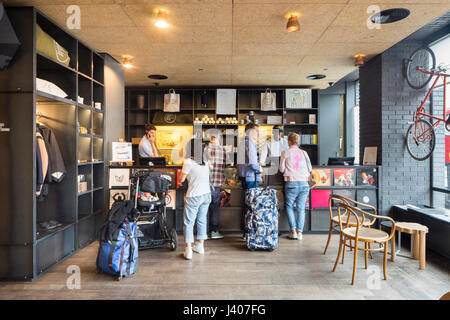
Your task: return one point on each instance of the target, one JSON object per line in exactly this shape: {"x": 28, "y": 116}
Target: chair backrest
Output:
{"x": 352, "y": 203}
{"x": 334, "y": 198}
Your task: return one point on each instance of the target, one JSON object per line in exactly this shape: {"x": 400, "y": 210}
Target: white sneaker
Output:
{"x": 299, "y": 236}
{"x": 188, "y": 253}
{"x": 198, "y": 247}
{"x": 292, "y": 236}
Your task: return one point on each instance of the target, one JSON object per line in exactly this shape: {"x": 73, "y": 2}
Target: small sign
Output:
{"x": 122, "y": 152}
{"x": 370, "y": 156}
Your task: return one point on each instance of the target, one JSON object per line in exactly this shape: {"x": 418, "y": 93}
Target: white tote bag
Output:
{"x": 172, "y": 101}
{"x": 268, "y": 101}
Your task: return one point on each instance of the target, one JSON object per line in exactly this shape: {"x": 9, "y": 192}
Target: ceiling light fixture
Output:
{"x": 315, "y": 76}
{"x": 390, "y": 15}
{"x": 127, "y": 62}
{"x": 161, "y": 19}
{"x": 359, "y": 59}
{"x": 293, "y": 24}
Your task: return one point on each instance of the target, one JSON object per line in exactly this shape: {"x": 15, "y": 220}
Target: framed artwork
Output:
{"x": 298, "y": 98}
{"x": 122, "y": 152}
{"x": 226, "y": 101}
{"x": 322, "y": 176}
{"x": 344, "y": 177}
{"x": 119, "y": 177}
{"x": 118, "y": 194}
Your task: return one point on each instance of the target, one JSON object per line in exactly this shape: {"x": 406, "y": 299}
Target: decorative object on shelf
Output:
{"x": 119, "y": 177}
{"x": 226, "y": 101}
{"x": 172, "y": 101}
{"x": 170, "y": 117}
{"x": 344, "y": 177}
{"x": 98, "y": 105}
{"x": 322, "y": 176}
{"x": 366, "y": 177}
{"x": 50, "y": 88}
{"x": 274, "y": 119}
{"x": 82, "y": 186}
{"x": 370, "y": 156}
{"x": 46, "y": 45}
{"x": 165, "y": 118}
{"x": 204, "y": 99}
{"x": 268, "y": 100}
{"x": 140, "y": 101}
{"x": 298, "y": 98}
{"x": 312, "y": 118}
{"x": 83, "y": 130}
{"x": 80, "y": 100}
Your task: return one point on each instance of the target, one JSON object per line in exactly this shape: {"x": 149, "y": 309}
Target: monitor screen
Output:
{"x": 342, "y": 161}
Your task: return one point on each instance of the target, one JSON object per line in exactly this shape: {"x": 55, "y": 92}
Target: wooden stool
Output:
{"x": 419, "y": 241}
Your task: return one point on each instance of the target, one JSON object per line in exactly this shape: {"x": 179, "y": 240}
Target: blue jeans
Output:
{"x": 296, "y": 191}
{"x": 213, "y": 212}
{"x": 196, "y": 208}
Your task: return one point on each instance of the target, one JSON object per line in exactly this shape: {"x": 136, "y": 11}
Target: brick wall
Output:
{"x": 438, "y": 157}
{"x": 387, "y": 104}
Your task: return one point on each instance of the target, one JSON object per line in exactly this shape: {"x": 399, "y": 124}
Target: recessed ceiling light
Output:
{"x": 390, "y": 15}
{"x": 157, "y": 76}
{"x": 161, "y": 19}
{"x": 315, "y": 76}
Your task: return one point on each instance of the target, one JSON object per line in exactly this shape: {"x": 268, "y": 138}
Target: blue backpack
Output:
{"x": 118, "y": 243}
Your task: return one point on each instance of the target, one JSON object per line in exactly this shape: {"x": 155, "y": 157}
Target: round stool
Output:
{"x": 419, "y": 240}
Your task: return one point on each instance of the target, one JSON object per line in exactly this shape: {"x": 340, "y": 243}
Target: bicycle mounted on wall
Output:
{"x": 421, "y": 137}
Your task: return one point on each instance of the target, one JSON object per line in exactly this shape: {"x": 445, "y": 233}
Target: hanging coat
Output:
{"x": 56, "y": 168}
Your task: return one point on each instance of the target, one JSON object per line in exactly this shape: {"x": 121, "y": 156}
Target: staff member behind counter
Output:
{"x": 274, "y": 147}
{"x": 147, "y": 146}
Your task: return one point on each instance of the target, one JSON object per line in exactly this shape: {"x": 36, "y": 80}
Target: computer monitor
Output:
{"x": 341, "y": 161}
{"x": 152, "y": 161}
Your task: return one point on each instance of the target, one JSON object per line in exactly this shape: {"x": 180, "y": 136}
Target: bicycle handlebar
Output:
{"x": 437, "y": 71}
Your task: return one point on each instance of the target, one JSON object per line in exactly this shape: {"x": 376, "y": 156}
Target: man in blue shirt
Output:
{"x": 147, "y": 146}
{"x": 248, "y": 167}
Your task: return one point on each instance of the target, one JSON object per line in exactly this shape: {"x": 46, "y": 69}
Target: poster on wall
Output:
{"x": 122, "y": 152}
{"x": 322, "y": 177}
{"x": 171, "y": 199}
{"x": 298, "y": 98}
{"x": 226, "y": 101}
{"x": 119, "y": 177}
{"x": 117, "y": 194}
{"x": 366, "y": 177}
{"x": 344, "y": 177}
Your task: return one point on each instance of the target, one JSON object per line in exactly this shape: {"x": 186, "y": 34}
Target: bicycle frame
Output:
{"x": 420, "y": 114}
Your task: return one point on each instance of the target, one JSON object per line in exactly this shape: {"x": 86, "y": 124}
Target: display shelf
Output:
{"x": 50, "y": 61}
{"x": 42, "y": 96}
{"x": 44, "y": 235}
{"x": 84, "y": 60}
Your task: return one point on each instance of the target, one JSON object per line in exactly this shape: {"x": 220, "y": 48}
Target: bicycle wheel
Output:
{"x": 423, "y": 58}
{"x": 422, "y": 148}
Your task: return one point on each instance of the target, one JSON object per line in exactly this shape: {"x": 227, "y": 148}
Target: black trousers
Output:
{"x": 213, "y": 211}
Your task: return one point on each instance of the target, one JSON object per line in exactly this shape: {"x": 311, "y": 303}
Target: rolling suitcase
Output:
{"x": 261, "y": 219}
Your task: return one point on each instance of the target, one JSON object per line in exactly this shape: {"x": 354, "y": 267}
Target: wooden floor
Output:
{"x": 296, "y": 270}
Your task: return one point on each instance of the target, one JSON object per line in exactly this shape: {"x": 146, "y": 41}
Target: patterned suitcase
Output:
{"x": 261, "y": 219}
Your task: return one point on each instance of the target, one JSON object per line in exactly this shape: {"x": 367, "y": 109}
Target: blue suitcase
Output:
{"x": 119, "y": 256}
{"x": 261, "y": 219}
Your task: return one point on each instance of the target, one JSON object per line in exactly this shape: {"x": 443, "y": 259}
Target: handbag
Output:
{"x": 172, "y": 101}
{"x": 311, "y": 181}
{"x": 268, "y": 101}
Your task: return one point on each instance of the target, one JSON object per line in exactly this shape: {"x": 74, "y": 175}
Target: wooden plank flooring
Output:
{"x": 296, "y": 270}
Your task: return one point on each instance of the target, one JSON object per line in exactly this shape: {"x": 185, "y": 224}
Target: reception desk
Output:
{"x": 356, "y": 182}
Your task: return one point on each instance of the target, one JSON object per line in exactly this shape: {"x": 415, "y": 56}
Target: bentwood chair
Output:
{"x": 334, "y": 219}
{"x": 360, "y": 233}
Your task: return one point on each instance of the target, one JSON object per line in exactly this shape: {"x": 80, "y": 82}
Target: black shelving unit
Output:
{"x": 145, "y": 105}
{"x": 28, "y": 251}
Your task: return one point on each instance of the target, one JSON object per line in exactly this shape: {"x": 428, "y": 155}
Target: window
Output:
{"x": 441, "y": 154}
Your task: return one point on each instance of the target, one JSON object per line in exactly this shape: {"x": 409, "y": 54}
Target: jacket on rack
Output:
{"x": 41, "y": 162}
{"x": 56, "y": 168}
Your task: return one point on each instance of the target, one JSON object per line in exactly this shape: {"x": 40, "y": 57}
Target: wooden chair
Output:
{"x": 361, "y": 233}
{"x": 334, "y": 219}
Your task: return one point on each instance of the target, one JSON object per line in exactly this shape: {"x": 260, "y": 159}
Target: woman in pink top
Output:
{"x": 296, "y": 168}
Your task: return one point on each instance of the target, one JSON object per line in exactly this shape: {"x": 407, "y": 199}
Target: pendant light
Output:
{"x": 161, "y": 19}
{"x": 127, "y": 62}
{"x": 293, "y": 24}
{"x": 359, "y": 60}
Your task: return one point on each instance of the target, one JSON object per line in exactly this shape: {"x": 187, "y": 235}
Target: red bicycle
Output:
{"x": 420, "y": 137}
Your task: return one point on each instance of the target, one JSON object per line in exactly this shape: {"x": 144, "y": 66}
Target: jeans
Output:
{"x": 196, "y": 208}
{"x": 213, "y": 212}
{"x": 296, "y": 191}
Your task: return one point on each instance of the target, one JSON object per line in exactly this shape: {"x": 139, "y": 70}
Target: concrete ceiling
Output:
{"x": 240, "y": 42}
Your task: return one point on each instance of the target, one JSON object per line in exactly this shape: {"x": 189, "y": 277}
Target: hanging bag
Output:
{"x": 268, "y": 101}
{"x": 172, "y": 101}
{"x": 311, "y": 181}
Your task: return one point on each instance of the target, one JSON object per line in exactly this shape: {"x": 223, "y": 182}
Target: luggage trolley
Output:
{"x": 152, "y": 227}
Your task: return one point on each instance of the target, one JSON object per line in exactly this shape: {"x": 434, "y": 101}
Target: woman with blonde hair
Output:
{"x": 296, "y": 168}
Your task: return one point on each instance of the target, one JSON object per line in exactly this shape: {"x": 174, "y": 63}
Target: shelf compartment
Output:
{"x": 98, "y": 203}
{"x": 59, "y": 75}
{"x": 97, "y": 124}
{"x": 85, "y": 231}
{"x": 98, "y": 176}
{"x": 98, "y": 68}
{"x": 87, "y": 172}
{"x": 138, "y": 118}
{"x": 84, "y": 118}
{"x": 98, "y": 96}
{"x": 54, "y": 247}
{"x": 85, "y": 90}
{"x": 84, "y": 148}
{"x": 84, "y": 205}
{"x": 84, "y": 60}
{"x": 138, "y": 100}
{"x": 211, "y": 100}
{"x": 98, "y": 148}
